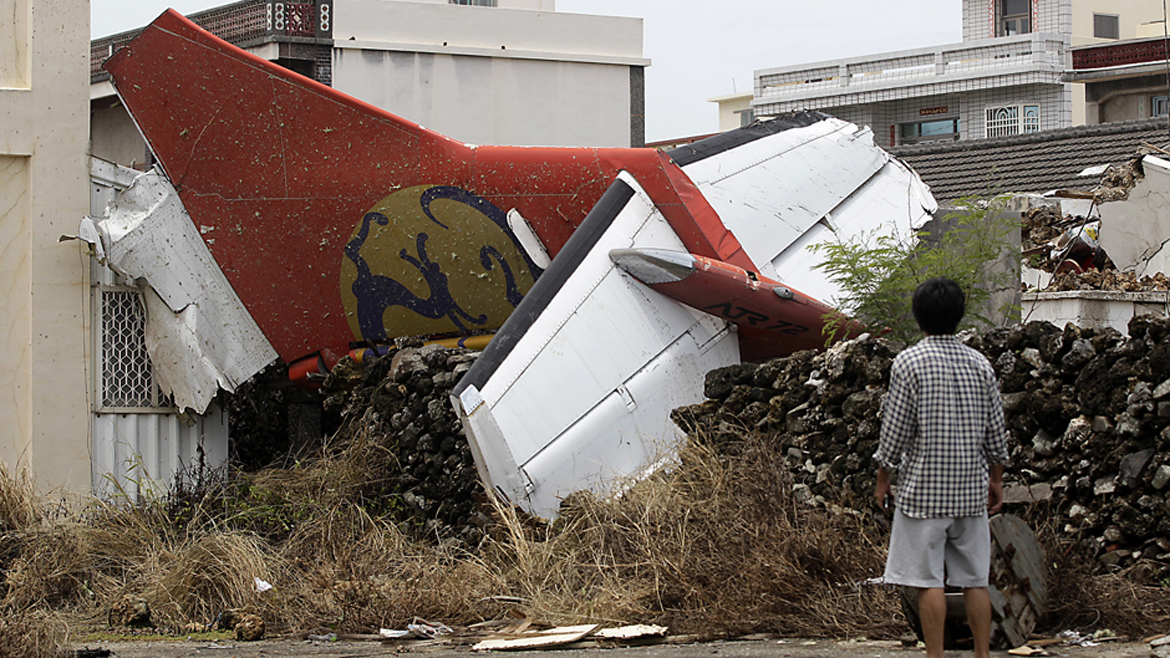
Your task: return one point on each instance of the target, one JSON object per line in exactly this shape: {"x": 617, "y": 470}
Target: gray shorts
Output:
{"x": 919, "y": 549}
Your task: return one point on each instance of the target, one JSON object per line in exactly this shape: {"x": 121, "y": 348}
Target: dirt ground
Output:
{"x": 794, "y": 648}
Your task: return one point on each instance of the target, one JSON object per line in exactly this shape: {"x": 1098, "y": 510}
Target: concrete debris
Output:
{"x": 1118, "y": 180}
{"x": 1087, "y": 441}
{"x": 1108, "y": 280}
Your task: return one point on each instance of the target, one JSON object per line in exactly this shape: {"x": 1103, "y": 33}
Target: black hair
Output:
{"x": 938, "y": 306}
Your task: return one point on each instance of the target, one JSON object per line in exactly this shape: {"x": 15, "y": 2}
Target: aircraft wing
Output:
{"x": 575, "y": 390}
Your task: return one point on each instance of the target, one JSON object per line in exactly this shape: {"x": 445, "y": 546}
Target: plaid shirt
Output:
{"x": 942, "y": 424}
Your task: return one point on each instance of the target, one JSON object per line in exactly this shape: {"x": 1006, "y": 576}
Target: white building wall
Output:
{"x": 1131, "y": 15}
{"x": 979, "y": 17}
{"x": 44, "y": 318}
{"x": 491, "y": 75}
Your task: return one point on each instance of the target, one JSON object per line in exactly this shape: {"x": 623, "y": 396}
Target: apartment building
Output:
{"x": 1011, "y": 74}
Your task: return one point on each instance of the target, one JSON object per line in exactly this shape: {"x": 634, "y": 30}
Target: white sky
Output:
{"x": 700, "y": 48}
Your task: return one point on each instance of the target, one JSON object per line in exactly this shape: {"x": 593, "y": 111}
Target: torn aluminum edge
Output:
{"x": 199, "y": 336}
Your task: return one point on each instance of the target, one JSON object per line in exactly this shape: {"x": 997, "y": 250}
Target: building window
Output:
{"x": 929, "y": 131}
{"x": 1159, "y": 106}
{"x": 1015, "y": 17}
{"x": 477, "y": 3}
{"x": 746, "y": 117}
{"x": 1106, "y": 26}
{"x": 1012, "y": 120}
{"x": 126, "y": 376}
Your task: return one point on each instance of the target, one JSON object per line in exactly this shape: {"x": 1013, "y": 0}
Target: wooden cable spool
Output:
{"x": 1018, "y": 586}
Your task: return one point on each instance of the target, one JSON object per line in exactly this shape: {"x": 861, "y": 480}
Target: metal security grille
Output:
{"x": 127, "y": 379}
{"x": 1002, "y": 121}
{"x": 1012, "y": 120}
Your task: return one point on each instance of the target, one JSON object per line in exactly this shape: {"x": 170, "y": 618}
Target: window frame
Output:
{"x": 1154, "y": 101}
{"x": 1023, "y": 119}
{"x": 920, "y": 138}
{"x": 1020, "y": 20}
{"x": 1116, "y": 26}
{"x": 124, "y": 328}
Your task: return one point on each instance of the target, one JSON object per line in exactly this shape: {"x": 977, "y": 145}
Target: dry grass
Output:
{"x": 19, "y": 505}
{"x": 717, "y": 545}
{"x": 33, "y": 634}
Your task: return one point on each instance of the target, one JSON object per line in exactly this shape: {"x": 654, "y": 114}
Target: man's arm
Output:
{"x": 882, "y": 490}
{"x": 994, "y": 489}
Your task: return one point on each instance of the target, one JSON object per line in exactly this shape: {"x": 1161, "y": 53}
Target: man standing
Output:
{"x": 943, "y": 433}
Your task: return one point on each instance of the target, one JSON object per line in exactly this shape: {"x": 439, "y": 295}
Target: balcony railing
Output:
{"x": 1120, "y": 54}
{"x": 971, "y": 59}
{"x": 241, "y": 23}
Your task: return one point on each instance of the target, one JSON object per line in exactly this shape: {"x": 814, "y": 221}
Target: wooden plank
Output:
{"x": 539, "y": 640}
{"x": 633, "y": 632}
{"x": 1018, "y": 545}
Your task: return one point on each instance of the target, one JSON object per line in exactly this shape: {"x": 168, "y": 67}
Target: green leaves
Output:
{"x": 878, "y": 273}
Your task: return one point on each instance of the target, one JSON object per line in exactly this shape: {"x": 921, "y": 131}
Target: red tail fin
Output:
{"x": 336, "y": 221}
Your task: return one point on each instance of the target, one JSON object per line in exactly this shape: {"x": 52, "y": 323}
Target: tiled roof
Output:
{"x": 1032, "y": 163}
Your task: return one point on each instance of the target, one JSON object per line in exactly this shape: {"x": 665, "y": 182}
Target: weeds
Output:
{"x": 719, "y": 544}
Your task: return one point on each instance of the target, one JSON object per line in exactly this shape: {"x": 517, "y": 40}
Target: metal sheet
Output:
{"x": 139, "y": 454}
{"x": 892, "y": 202}
{"x": 583, "y": 397}
{"x": 202, "y": 339}
{"x": 770, "y": 191}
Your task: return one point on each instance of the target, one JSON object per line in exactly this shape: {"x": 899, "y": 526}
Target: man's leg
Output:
{"x": 978, "y": 604}
{"x": 932, "y": 613}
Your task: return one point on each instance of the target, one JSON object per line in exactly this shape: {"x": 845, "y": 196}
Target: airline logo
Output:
{"x": 432, "y": 260}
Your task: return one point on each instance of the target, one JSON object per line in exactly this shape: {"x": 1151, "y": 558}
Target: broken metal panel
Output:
{"x": 769, "y": 192}
{"x": 576, "y": 389}
{"x": 199, "y": 335}
{"x": 138, "y": 440}
{"x": 1134, "y": 230}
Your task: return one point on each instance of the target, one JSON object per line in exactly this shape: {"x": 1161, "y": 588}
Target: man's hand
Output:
{"x": 995, "y": 490}
{"x": 882, "y": 491}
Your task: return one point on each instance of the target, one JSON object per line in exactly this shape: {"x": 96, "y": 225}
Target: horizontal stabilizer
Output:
{"x": 773, "y": 319}
{"x": 575, "y": 391}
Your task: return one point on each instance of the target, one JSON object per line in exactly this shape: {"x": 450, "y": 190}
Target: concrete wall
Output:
{"x": 1131, "y": 15}
{"x": 44, "y": 319}
{"x": 969, "y": 107}
{"x": 1126, "y": 99}
{"x": 493, "y": 75}
{"x": 731, "y": 108}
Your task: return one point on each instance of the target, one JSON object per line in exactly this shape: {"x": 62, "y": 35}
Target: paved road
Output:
{"x": 741, "y": 649}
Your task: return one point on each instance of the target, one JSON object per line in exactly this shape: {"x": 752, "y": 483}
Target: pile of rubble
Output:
{"x": 421, "y": 463}
{"x": 1112, "y": 280}
{"x": 1088, "y": 412}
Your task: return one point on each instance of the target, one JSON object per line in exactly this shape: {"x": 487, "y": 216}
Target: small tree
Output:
{"x": 877, "y": 274}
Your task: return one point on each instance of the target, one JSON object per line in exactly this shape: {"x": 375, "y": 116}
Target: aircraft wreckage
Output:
{"x": 290, "y": 220}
